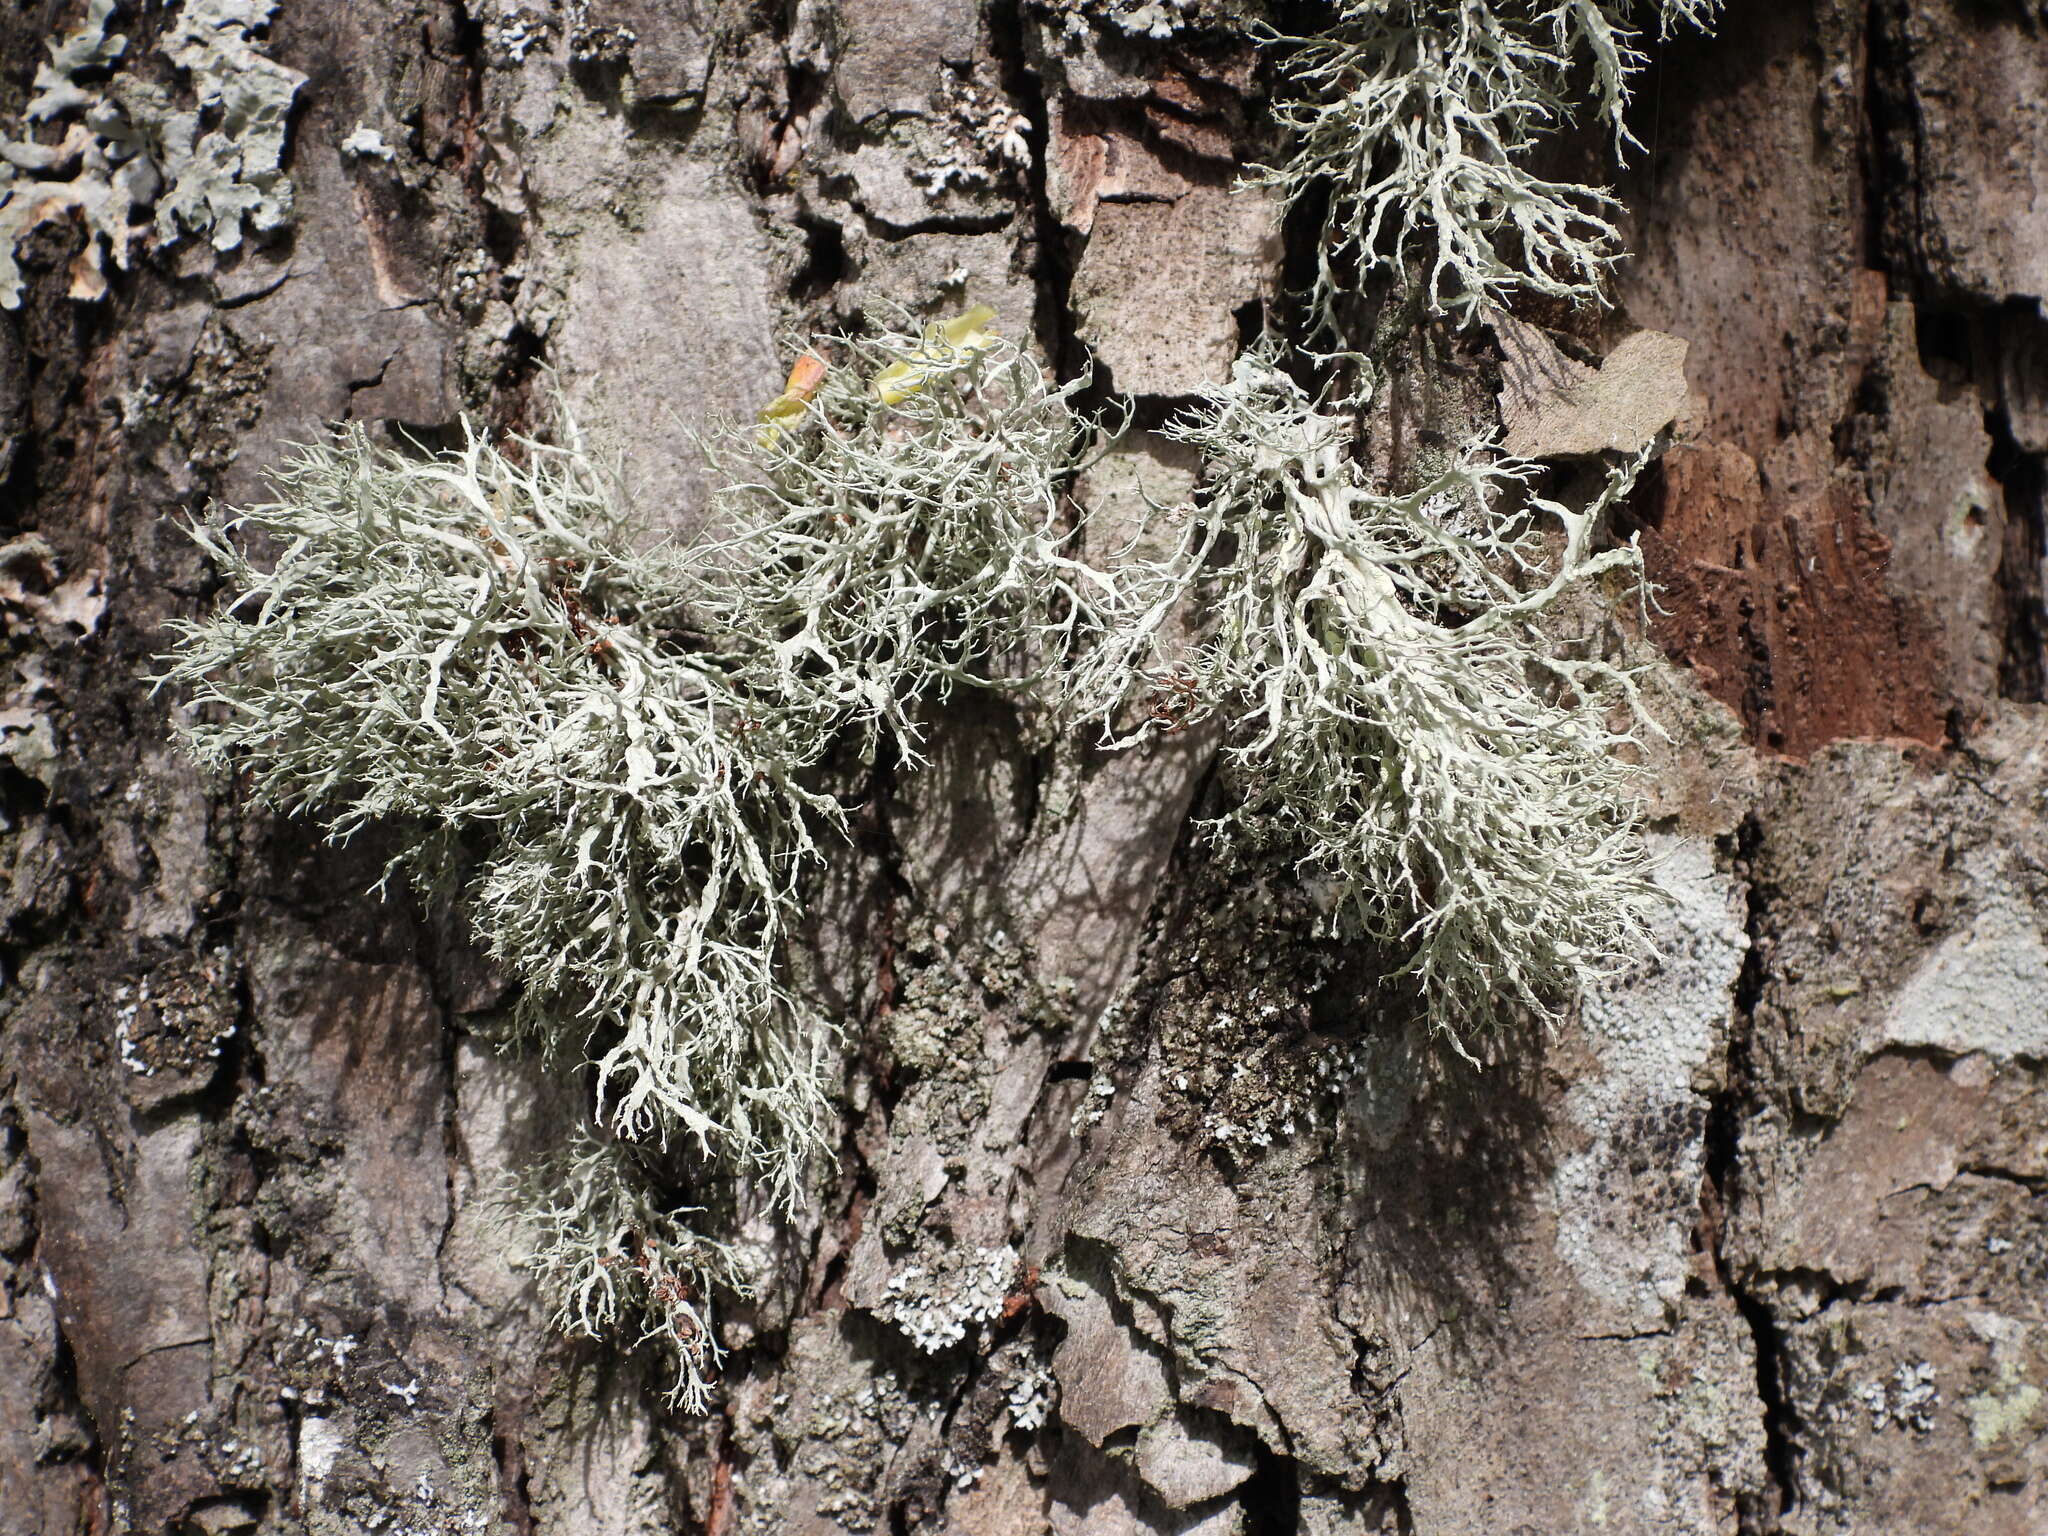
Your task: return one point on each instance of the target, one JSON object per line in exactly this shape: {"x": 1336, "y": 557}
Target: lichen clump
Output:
{"x": 1399, "y": 713}
{"x": 468, "y": 648}
{"x": 614, "y": 757}
{"x": 936, "y": 1310}
{"x": 617, "y": 759}
{"x": 617, "y": 1261}
{"x": 1417, "y": 119}
{"x": 901, "y": 531}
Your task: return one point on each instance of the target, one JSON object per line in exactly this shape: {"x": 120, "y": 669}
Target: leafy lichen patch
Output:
{"x": 204, "y": 166}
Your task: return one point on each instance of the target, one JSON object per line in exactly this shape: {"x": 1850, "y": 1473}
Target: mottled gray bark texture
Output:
{"x": 1758, "y": 1243}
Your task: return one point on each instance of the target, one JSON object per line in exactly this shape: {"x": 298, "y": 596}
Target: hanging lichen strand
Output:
{"x": 1416, "y": 120}
{"x": 1401, "y": 714}
{"x": 464, "y": 647}
{"x": 628, "y": 743}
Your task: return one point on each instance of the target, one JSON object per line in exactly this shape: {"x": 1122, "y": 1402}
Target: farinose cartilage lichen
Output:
{"x": 1417, "y": 119}
{"x": 1397, "y": 714}
{"x": 613, "y": 1261}
{"x": 457, "y": 645}
{"x": 630, "y": 744}
{"x": 900, "y": 531}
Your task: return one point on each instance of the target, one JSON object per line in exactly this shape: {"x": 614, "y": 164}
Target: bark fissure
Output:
{"x": 1737, "y": 1100}
{"x": 2023, "y": 559}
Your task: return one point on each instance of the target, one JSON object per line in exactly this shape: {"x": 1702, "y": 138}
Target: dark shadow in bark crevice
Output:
{"x": 1440, "y": 1162}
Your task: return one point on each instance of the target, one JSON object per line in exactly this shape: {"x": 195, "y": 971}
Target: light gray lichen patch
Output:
{"x": 95, "y": 171}
{"x": 1984, "y": 989}
{"x": 131, "y": 159}
{"x": 939, "y": 1305}
{"x": 2009, "y": 1406}
{"x": 1656, "y": 1030}
{"x": 1031, "y": 1397}
{"x": 2004, "y": 1411}
{"x": 1156, "y": 19}
{"x": 224, "y": 157}
{"x": 1906, "y": 1399}
{"x": 988, "y": 140}
{"x": 513, "y": 30}
{"x": 846, "y": 1442}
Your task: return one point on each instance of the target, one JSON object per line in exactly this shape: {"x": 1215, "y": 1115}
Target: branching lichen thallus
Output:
{"x": 611, "y": 755}
{"x": 1405, "y": 709}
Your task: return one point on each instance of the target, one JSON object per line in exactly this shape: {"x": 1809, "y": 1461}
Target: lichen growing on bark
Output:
{"x": 617, "y": 1261}
{"x": 130, "y": 146}
{"x": 1448, "y": 772}
{"x": 467, "y": 647}
{"x": 902, "y": 531}
{"x": 615, "y": 759}
{"x": 1417, "y": 120}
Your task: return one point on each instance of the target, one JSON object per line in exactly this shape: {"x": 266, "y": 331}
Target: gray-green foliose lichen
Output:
{"x": 133, "y": 160}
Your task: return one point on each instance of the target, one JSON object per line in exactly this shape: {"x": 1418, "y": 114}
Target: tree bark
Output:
{"x": 1757, "y": 1242}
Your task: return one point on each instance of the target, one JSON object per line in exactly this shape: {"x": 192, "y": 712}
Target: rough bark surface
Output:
{"x": 1759, "y": 1243}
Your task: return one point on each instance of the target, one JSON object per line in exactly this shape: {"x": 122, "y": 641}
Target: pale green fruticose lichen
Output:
{"x": 127, "y": 147}
{"x": 616, "y": 1261}
{"x": 467, "y": 647}
{"x": 612, "y": 757}
{"x": 1417, "y": 119}
{"x": 1397, "y": 712}
{"x": 902, "y": 532}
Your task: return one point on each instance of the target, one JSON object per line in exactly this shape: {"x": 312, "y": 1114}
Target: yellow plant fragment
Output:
{"x": 946, "y": 347}
{"x": 784, "y": 410}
